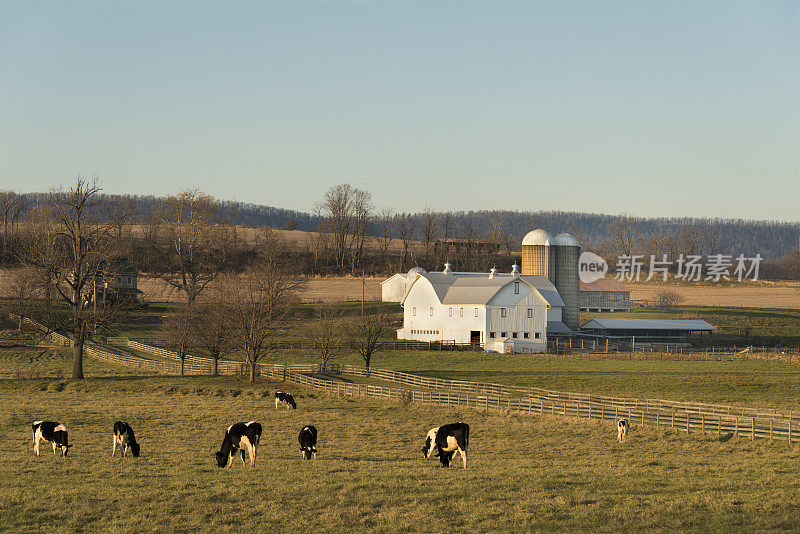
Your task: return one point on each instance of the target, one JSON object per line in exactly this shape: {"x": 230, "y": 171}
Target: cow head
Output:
{"x": 308, "y": 451}
{"x": 430, "y": 443}
{"x": 222, "y": 459}
{"x": 134, "y": 449}
{"x": 65, "y": 449}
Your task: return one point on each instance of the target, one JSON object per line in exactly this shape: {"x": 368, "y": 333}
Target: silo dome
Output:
{"x": 565, "y": 240}
{"x": 414, "y": 272}
{"x": 537, "y": 237}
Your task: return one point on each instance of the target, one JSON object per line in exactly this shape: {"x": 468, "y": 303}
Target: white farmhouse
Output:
{"x": 502, "y": 311}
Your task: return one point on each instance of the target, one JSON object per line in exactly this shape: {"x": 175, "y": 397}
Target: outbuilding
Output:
{"x": 668, "y": 331}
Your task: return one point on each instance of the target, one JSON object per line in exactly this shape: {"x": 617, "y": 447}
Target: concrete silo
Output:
{"x": 567, "y": 251}
{"x": 537, "y": 256}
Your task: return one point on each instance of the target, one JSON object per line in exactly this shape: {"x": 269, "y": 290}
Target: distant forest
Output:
{"x": 771, "y": 239}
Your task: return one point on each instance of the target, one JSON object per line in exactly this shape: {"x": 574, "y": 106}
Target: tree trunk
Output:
{"x": 252, "y": 372}
{"x": 216, "y": 363}
{"x": 77, "y": 355}
{"x": 183, "y": 360}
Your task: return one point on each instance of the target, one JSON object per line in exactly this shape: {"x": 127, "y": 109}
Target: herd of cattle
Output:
{"x": 446, "y": 440}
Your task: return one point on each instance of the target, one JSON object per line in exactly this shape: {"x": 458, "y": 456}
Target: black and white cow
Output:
{"x": 56, "y": 433}
{"x": 285, "y": 398}
{"x": 239, "y": 436}
{"x": 123, "y": 435}
{"x": 622, "y": 430}
{"x": 308, "y": 442}
{"x": 447, "y": 440}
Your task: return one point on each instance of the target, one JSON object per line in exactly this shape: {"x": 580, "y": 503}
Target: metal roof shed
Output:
{"x": 654, "y": 330}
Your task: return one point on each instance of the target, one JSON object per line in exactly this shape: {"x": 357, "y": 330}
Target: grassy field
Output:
{"x": 525, "y": 473}
{"x": 746, "y": 382}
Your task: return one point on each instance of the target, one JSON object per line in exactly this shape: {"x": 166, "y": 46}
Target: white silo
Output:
{"x": 566, "y": 250}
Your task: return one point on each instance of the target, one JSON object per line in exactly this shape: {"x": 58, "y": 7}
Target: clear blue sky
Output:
{"x": 669, "y": 108}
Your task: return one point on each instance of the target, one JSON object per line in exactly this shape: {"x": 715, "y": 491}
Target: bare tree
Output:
{"x": 364, "y": 334}
{"x": 385, "y": 223}
{"x": 429, "y": 230}
{"x": 261, "y": 300}
{"x": 324, "y": 333}
{"x": 405, "y": 231}
{"x": 22, "y": 285}
{"x": 211, "y": 328}
{"x": 337, "y": 209}
{"x": 119, "y": 212}
{"x": 447, "y": 224}
{"x": 362, "y": 208}
{"x": 70, "y": 246}
{"x": 624, "y": 234}
{"x": 197, "y": 247}
{"x": 11, "y": 208}
{"x": 711, "y": 235}
{"x": 179, "y": 331}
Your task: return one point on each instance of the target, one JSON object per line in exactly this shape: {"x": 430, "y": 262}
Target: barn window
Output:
{"x": 514, "y": 334}
{"x": 537, "y": 335}
{"x": 502, "y": 334}
{"x": 476, "y": 312}
{"x": 414, "y": 310}
{"x": 491, "y": 334}
{"x": 431, "y": 312}
{"x": 526, "y": 335}
{"x": 451, "y": 312}
{"x": 502, "y": 312}
{"x": 461, "y": 312}
{"x": 516, "y": 288}
{"x": 530, "y": 313}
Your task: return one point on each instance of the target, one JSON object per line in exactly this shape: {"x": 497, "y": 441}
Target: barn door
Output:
{"x": 475, "y": 337}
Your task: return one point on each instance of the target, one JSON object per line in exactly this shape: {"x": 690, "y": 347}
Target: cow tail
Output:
{"x": 466, "y": 436}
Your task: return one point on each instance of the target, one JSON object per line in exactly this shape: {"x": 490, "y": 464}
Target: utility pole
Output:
{"x": 363, "y": 282}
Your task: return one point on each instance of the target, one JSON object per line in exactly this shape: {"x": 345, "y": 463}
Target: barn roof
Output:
{"x": 478, "y": 288}
{"x": 557, "y": 327}
{"x": 604, "y": 285}
{"x": 691, "y": 325}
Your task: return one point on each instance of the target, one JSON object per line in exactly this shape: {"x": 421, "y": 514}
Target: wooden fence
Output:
{"x": 749, "y": 422}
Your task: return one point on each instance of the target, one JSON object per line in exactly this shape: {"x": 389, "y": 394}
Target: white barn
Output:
{"x": 502, "y": 311}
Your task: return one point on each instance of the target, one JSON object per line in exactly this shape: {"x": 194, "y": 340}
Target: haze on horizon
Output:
{"x": 650, "y": 108}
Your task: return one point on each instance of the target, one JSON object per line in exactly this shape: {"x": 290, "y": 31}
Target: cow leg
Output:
{"x": 54, "y": 447}
{"x": 36, "y": 446}
{"x": 276, "y": 403}
{"x": 124, "y": 448}
{"x": 114, "y": 447}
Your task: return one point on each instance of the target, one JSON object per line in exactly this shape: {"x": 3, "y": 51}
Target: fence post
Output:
{"x": 790, "y": 429}
{"x": 703, "y": 423}
{"x": 770, "y": 429}
{"x": 736, "y": 427}
{"x": 673, "y": 418}
{"x": 753, "y": 429}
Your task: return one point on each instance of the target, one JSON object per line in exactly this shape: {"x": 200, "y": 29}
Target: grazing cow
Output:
{"x": 52, "y": 432}
{"x": 123, "y": 434}
{"x": 239, "y": 436}
{"x": 308, "y": 442}
{"x": 447, "y": 440}
{"x": 285, "y": 398}
{"x": 622, "y": 430}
